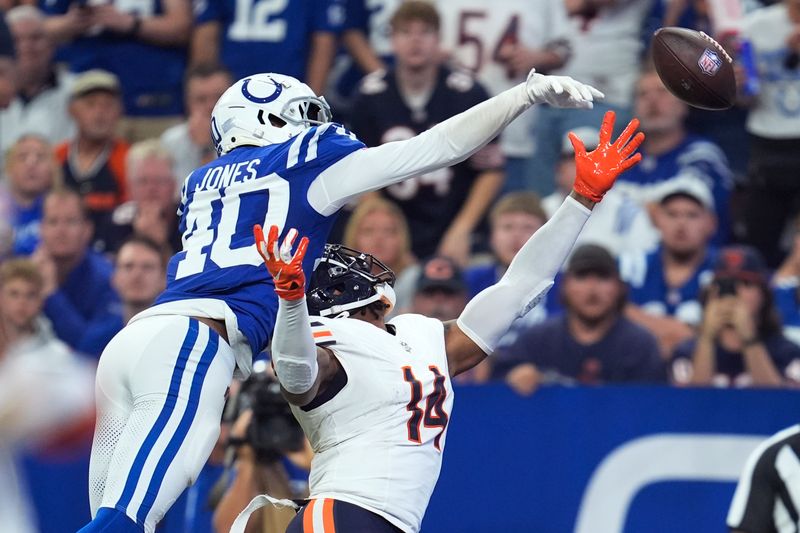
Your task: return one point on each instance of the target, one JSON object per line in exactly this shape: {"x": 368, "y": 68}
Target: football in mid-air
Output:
{"x": 694, "y": 67}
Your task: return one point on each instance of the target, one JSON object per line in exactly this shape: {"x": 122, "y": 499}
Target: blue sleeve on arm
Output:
{"x": 98, "y": 333}
{"x": 86, "y": 296}
{"x": 68, "y": 322}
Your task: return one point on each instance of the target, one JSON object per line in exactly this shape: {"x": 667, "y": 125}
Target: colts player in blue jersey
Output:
{"x": 161, "y": 381}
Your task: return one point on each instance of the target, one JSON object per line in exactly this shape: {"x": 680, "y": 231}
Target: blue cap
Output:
{"x": 742, "y": 263}
{"x": 440, "y": 272}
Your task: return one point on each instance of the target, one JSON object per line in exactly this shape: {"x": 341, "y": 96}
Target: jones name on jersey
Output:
{"x": 221, "y": 202}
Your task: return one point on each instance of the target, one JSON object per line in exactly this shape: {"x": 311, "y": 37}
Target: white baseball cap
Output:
{"x": 688, "y": 186}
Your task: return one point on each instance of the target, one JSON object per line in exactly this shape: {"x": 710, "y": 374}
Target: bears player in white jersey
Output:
{"x": 161, "y": 381}
{"x": 375, "y": 397}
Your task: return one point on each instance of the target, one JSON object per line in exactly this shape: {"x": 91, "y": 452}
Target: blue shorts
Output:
{"x": 329, "y": 516}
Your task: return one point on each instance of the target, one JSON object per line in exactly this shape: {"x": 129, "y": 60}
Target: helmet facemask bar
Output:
{"x": 350, "y": 280}
{"x": 366, "y": 264}
{"x": 313, "y": 110}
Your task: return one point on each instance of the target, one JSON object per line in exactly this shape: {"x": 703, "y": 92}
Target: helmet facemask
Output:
{"x": 345, "y": 279}
{"x": 312, "y": 111}
{"x": 265, "y": 109}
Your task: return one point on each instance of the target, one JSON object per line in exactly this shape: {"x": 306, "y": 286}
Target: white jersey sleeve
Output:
{"x": 445, "y": 144}
{"x": 378, "y": 440}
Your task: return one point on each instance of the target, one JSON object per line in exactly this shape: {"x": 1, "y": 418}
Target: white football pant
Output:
{"x": 160, "y": 387}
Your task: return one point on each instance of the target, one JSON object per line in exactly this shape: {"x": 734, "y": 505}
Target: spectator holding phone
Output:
{"x": 740, "y": 342}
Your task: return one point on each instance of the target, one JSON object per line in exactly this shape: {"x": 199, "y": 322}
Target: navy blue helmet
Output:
{"x": 345, "y": 279}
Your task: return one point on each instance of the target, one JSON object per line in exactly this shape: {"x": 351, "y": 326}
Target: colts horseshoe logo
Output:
{"x": 265, "y": 99}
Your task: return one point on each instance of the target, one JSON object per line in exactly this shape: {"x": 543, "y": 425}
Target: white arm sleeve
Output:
{"x": 445, "y": 144}
{"x": 490, "y": 313}
{"x": 293, "y": 350}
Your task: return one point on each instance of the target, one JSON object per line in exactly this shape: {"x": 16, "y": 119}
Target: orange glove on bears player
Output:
{"x": 286, "y": 269}
{"x": 597, "y": 170}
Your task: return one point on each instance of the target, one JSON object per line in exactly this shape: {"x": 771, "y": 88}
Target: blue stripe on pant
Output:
{"x": 183, "y": 428}
{"x": 163, "y": 417}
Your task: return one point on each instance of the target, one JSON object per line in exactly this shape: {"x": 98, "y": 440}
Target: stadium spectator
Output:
{"x": 500, "y": 43}
{"x": 773, "y": 191}
{"x": 666, "y": 283}
{"x": 42, "y": 95}
{"x": 378, "y": 227}
{"x": 607, "y": 44}
{"x": 373, "y": 20}
{"x": 44, "y": 388}
{"x": 7, "y": 218}
{"x": 293, "y": 38}
{"x": 32, "y": 171}
{"x": 358, "y": 56}
{"x": 619, "y": 223}
{"x": 21, "y": 302}
{"x": 151, "y": 210}
{"x": 592, "y": 343}
{"x": 190, "y": 141}
{"x": 142, "y": 43}
{"x": 445, "y": 206}
{"x": 670, "y": 152}
{"x": 565, "y": 169}
{"x": 440, "y": 292}
{"x": 8, "y": 67}
{"x": 513, "y": 219}
{"x": 77, "y": 280}
{"x": 94, "y": 160}
{"x": 139, "y": 276}
{"x": 786, "y": 287}
{"x": 740, "y": 343}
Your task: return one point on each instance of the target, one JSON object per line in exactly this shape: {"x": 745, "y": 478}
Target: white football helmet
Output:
{"x": 265, "y": 109}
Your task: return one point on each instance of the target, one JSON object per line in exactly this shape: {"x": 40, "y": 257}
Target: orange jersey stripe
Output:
{"x": 327, "y": 516}
{"x": 308, "y": 517}
{"x": 326, "y": 333}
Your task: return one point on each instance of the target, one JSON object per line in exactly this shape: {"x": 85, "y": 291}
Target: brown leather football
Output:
{"x": 694, "y": 67}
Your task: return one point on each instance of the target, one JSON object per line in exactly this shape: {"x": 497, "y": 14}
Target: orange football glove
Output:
{"x": 286, "y": 269}
{"x": 597, "y": 170}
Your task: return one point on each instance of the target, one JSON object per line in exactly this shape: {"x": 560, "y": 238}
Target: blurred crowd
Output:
{"x": 687, "y": 273}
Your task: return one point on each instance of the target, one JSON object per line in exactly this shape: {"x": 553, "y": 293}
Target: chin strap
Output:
{"x": 383, "y": 292}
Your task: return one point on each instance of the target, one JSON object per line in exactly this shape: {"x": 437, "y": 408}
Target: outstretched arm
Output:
{"x": 488, "y": 315}
{"x": 445, "y": 144}
{"x": 301, "y": 366}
